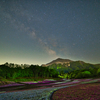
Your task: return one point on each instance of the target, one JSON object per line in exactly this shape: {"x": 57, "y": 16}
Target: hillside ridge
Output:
{"x": 58, "y": 61}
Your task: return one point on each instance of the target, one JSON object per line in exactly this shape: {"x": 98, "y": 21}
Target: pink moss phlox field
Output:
{"x": 89, "y": 91}
{"x": 13, "y": 84}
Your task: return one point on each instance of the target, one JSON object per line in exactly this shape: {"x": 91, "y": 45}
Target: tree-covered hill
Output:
{"x": 68, "y": 66}
{"x": 58, "y": 61}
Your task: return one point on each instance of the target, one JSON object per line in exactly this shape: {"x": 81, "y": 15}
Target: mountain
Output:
{"x": 58, "y": 61}
{"x": 67, "y": 65}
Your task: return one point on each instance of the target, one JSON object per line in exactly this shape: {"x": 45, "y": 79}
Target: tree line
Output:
{"x": 31, "y": 71}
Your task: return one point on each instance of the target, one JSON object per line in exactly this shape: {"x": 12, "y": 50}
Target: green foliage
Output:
{"x": 93, "y": 72}
{"x": 86, "y": 72}
{"x": 98, "y": 71}
{"x": 58, "y": 67}
{"x": 63, "y": 76}
{"x": 60, "y": 76}
{"x": 53, "y": 73}
{"x": 14, "y": 75}
{"x": 80, "y": 74}
{"x": 31, "y": 71}
{"x": 0, "y": 70}
{"x": 62, "y": 72}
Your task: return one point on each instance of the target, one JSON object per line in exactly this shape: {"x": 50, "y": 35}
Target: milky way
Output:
{"x": 38, "y": 31}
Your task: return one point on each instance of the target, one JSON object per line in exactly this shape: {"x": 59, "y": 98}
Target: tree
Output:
{"x": 86, "y": 74}
{"x": 6, "y": 64}
{"x": 79, "y": 75}
{"x": 14, "y": 75}
{"x": 0, "y": 70}
{"x": 62, "y": 72}
{"x": 54, "y": 73}
{"x": 11, "y": 64}
{"x": 98, "y": 72}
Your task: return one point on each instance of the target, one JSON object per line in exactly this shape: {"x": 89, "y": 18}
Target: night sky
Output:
{"x": 39, "y": 31}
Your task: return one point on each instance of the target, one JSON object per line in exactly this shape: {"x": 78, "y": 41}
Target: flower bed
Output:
{"x": 13, "y": 84}
{"x": 80, "y": 92}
